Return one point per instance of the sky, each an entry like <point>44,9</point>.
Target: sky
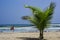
<point>11,11</point>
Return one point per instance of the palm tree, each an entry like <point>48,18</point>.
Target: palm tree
<point>41,18</point>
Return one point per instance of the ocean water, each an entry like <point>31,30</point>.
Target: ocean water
<point>27,28</point>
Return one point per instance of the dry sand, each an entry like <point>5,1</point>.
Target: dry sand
<point>28,36</point>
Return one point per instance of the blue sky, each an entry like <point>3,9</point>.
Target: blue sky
<point>11,11</point>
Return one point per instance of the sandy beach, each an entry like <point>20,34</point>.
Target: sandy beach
<point>29,36</point>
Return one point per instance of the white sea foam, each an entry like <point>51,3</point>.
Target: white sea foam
<point>28,29</point>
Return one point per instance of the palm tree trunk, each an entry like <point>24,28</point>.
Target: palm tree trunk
<point>41,35</point>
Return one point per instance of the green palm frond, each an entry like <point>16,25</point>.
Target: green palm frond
<point>49,11</point>
<point>41,18</point>
<point>33,8</point>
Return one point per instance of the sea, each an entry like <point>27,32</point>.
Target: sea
<point>28,28</point>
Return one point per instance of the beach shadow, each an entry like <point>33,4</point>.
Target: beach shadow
<point>28,38</point>
<point>58,37</point>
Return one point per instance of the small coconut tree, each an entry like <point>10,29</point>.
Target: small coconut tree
<point>40,18</point>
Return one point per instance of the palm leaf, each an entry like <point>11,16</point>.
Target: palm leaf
<point>41,18</point>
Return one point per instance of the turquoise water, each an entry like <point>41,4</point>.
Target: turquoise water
<point>16,25</point>
<point>27,28</point>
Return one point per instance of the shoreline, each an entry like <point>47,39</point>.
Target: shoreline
<point>27,29</point>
